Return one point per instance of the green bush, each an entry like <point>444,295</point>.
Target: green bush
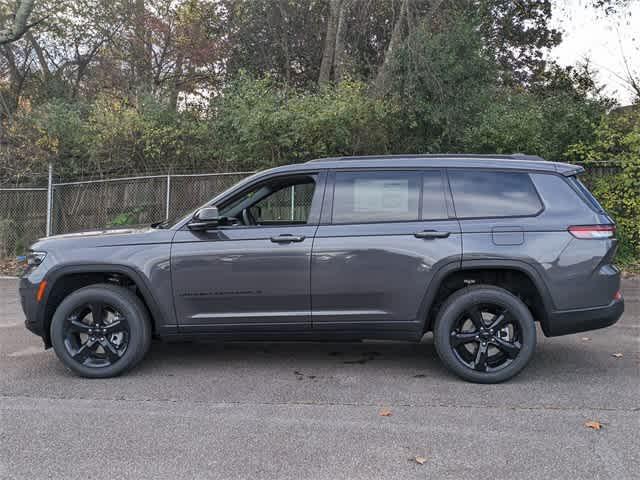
<point>442,79</point>
<point>619,195</point>
<point>124,219</point>
<point>260,123</point>
<point>617,140</point>
<point>536,124</point>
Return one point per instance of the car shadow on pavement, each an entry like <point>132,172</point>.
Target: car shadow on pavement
<point>570,355</point>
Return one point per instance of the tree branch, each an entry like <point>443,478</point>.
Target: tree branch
<point>19,26</point>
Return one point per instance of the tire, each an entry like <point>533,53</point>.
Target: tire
<point>118,303</point>
<point>469,350</point>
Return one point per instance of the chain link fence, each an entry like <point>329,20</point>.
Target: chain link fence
<point>187,192</point>
<point>23,218</point>
<point>112,203</point>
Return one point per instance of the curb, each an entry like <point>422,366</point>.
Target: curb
<point>7,277</point>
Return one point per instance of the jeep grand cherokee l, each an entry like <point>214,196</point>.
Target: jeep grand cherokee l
<point>475,249</point>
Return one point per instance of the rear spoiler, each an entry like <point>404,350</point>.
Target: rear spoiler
<point>568,169</point>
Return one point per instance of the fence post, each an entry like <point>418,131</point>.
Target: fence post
<point>168,196</point>
<point>49,199</point>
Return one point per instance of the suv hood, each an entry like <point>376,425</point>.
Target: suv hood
<point>105,238</point>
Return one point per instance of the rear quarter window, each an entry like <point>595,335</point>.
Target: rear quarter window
<point>586,194</point>
<point>478,193</point>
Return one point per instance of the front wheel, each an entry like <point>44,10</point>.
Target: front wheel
<point>484,334</point>
<point>100,331</point>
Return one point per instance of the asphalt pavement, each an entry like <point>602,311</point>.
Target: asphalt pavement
<point>312,411</point>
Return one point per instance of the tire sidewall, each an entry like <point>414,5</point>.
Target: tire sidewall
<point>120,299</point>
<point>455,306</point>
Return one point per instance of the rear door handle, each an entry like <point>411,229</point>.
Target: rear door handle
<point>426,234</point>
<point>286,238</point>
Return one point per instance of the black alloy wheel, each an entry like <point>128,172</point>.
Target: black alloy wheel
<point>101,330</point>
<point>484,334</point>
<point>486,338</point>
<point>96,334</point>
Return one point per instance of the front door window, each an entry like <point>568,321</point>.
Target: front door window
<point>280,202</point>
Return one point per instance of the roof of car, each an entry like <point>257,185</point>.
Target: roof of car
<point>514,161</point>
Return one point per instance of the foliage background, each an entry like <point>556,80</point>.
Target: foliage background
<point>105,89</point>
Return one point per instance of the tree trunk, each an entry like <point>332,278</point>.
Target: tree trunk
<point>46,73</point>
<point>16,81</point>
<point>175,88</point>
<point>284,40</point>
<point>9,102</point>
<point>141,59</point>
<point>338,55</point>
<point>397,37</point>
<point>404,26</point>
<point>329,42</point>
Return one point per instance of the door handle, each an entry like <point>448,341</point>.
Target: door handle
<point>286,238</point>
<point>427,234</point>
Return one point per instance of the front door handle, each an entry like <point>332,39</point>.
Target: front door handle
<point>286,238</point>
<point>426,234</point>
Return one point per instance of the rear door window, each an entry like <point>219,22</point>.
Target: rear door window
<point>384,196</point>
<point>481,193</point>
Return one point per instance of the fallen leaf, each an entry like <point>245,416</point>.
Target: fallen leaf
<point>585,339</point>
<point>593,424</point>
<point>420,460</point>
<point>385,412</point>
<point>617,355</point>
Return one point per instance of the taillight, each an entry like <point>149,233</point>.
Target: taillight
<point>593,232</point>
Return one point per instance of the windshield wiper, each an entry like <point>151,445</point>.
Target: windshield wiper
<point>160,225</point>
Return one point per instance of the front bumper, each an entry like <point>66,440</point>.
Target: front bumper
<point>573,321</point>
<point>32,309</point>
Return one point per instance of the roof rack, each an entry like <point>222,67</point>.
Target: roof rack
<point>513,156</point>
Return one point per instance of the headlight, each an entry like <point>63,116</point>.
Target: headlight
<point>35,258</point>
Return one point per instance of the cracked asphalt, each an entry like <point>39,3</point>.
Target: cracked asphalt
<point>311,410</point>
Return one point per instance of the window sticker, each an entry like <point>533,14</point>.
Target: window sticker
<point>381,195</point>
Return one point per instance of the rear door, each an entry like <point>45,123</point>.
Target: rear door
<point>383,235</point>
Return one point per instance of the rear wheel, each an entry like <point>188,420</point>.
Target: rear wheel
<point>100,331</point>
<point>484,334</point>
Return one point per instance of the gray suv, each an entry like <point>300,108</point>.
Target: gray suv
<point>475,249</point>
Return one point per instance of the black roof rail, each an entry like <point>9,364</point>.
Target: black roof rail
<point>514,156</point>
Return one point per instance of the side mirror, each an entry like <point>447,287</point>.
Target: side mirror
<point>206,218</point>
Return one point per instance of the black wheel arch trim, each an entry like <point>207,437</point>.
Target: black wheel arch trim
<point>498,264</point>
<point>158,317</point>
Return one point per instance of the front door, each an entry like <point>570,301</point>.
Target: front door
<point>254,271</point>
<point>383,236</point>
